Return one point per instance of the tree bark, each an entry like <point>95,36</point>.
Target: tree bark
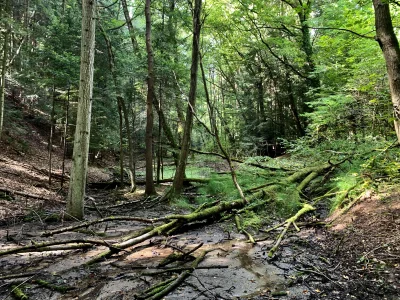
<point>52,128</point>
<point>129,25</point>
<point>149,190</point>
<point>123,113</point>
<point>64,142</point>
<point>4,68</point>
<point>177,186</point>
<point>389,44</point>
<point>76,193</point>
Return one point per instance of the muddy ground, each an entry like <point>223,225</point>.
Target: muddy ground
<point>358,257</point>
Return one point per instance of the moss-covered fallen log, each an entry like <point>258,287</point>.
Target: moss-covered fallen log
<point>175,221</point>
<point>159,230</point>
<point>173,284</point>
<point>58,288</point>
<point>18,293</point>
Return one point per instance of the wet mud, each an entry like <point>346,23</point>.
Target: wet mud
<point>311,264</point>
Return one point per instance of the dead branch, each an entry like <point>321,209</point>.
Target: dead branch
<point>166,289</point>
<point>114,184</point>
<point>180,269</point>
<point>89,223</point>
<point>33,196</point>
<point>178,257</point>
<point>241,161</point>
<point>242,230</point>
<point>16,276</point>
<point>291,221</point>
<point>36,247</point>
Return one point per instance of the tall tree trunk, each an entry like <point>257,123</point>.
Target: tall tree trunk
<point>166,128</point>
<point>303,10</point>
<point>177,186</point>
<point>4,67</point>
<point>149,190</point>
<point>76,193</point>
<point>389,44</point>
<point>123,112</point>
<point>52,128</point>
<point>159,146</point>
<point>214,129</point>
<point>121,146</point>
<point>129,25</point>
<point>65,144</point>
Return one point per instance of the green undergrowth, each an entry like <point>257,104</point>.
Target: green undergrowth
<point>367,163</point>
<point>360,165</point>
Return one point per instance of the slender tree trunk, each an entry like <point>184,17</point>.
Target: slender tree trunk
<point>150,189</point>
<point>65,145</point>
<point>52,127</point>
<point>4,68</point>
<point>76,193</point>
<point>123,112</point>
<point>214,129</point>
<point>121,146</point>
<point>177,186</point>
<point>389,44</point>
<point>159,146</point>
<point>293,106</point>
<point>166,128</point>
<point>129,25</point>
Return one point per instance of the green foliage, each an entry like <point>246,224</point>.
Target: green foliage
<point>369,162</point>
<point>333,116</point>
<point>253,220</point>
<point>287,201</point>
<point>182,203</point>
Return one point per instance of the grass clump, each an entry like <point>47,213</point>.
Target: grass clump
<point>183,203</point>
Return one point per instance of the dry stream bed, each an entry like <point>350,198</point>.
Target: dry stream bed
<point>309,265</point>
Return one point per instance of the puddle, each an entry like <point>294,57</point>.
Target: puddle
<point>246,273</point>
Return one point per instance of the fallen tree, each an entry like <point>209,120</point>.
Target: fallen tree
<point>256,198</point>
<point>173,222</point>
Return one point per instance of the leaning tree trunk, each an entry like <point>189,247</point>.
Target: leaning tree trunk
<point>129,25</point>
<point>177,186</point>
<point>77,183</point>
<point>150,189</point>
<point>389,44</point>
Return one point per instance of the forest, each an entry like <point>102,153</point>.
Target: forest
<point>190,149</point>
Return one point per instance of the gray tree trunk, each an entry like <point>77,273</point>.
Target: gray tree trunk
<point>150,189</point>
<point>76,193</point>
<point>177,186</point>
